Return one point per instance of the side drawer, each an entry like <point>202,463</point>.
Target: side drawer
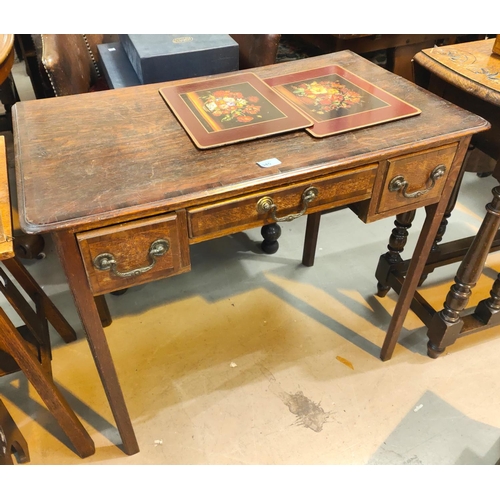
<point>137,252</point>
<point>241,213</point>
<point>416,179</point>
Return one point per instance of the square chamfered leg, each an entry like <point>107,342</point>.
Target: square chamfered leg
<point>70,258</point>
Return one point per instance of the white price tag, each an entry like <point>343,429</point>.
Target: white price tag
<point>272,162</point>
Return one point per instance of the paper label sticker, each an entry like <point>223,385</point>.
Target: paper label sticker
<point>272,162</point>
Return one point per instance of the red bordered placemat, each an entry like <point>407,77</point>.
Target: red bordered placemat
<point>240,107</point>
<point>338,100</point>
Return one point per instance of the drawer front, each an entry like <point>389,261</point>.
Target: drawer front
<point>417,179</point>
<point>242,213</point>
<point>136,252</point>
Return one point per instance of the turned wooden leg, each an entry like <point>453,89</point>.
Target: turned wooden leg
<point>446,325</point>
<point>397,242</point>
<point>487,310</point>
<point>69,254</point>
<point>270,233</point>
<point>496,171</point>
<point>29,246</point>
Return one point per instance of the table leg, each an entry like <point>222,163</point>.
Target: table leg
<point>410,284</point>
<point>487,310</point>
<point>270,233</point>
<point>103,310</point>
<point>444,223</point>
<point>433,220</point>
<point>311,239</point>
<point>397,242</point>
<point>446,325</point>
<point>69,255</point>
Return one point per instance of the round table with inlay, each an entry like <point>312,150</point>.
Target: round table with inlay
<point>468,75</point>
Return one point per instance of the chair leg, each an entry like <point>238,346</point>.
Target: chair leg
<point>12,342</point>
<point>29,246</point>
<point>33,289</point>
<point>11,439</point>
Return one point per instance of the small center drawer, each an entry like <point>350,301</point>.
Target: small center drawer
<point>242,213</point>
<point>137,252</point>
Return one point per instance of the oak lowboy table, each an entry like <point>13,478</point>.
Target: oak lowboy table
<point>120,186</point>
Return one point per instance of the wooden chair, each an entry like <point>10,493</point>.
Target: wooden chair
<point>27,348</point>
<point>71,62</point>
<point>257,50</point>
<point>11,440</point>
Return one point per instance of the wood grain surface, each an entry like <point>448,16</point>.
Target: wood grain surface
<point>84,159</point>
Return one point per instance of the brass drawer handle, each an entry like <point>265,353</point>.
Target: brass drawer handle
<point>106,261</point>
<point>266,204</point>
<point>399,183</point>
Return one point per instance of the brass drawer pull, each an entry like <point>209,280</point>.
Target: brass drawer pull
<point>399,183</point>
<point>266,204</point>
<point>106,261</point>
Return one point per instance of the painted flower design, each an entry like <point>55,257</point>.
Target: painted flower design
<point>228,105</point>
<point>325,96</point>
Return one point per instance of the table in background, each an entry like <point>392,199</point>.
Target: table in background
<point>468,75</point>
<point>114,172</point>
<point>399,48</point>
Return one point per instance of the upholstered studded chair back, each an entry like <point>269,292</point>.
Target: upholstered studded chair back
<point>257,50</point>
<point>70,62</point>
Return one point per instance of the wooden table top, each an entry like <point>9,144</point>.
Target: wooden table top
<point>471,66</point>
<point>6,44</point>
<point>88,158</point>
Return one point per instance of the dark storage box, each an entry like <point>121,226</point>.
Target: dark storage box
<point>116,66</point>
<point>161,58</point>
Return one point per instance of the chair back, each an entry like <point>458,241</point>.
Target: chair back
<point>70,62</point>
<point>257,50</point>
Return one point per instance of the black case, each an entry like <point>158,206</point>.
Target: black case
<point>161,58</point>
<point>116,67</point>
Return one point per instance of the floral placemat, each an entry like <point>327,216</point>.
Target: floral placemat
<point>338,100</point>
<point>219,111</point>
